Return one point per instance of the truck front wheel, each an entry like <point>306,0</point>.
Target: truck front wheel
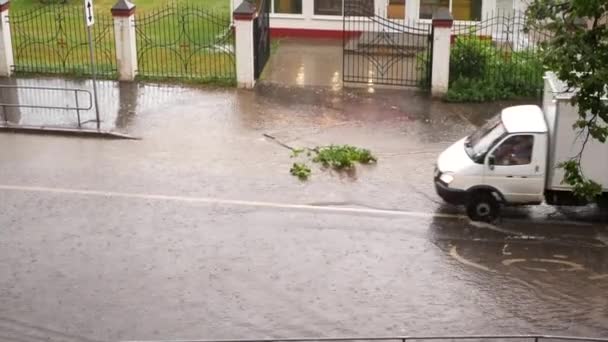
<point>482,206</point>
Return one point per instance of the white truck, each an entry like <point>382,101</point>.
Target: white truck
<point>513,159</point>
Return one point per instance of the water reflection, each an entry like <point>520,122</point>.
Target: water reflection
<point>544,274</point>
<point>108,95</point>
<point>127,104</point>
<point>119,102</point>
<point>11,115</point>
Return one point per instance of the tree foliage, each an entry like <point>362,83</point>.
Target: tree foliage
<point>578,54</point>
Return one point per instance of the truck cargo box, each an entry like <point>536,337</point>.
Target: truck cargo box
<point>565,142</point>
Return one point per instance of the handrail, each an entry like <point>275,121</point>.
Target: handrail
<point>535,338</point>
<point>76,107</point>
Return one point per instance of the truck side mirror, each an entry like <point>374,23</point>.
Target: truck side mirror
<point>491,162</point>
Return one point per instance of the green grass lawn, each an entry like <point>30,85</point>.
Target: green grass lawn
<point>189,44</point>
<point>102,6</point>
<point>54,41</point>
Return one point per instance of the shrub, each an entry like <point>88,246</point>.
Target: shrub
<point>479,72</point>
<point>476,90</point>
<point>422,65</point>
<point>472,57</point>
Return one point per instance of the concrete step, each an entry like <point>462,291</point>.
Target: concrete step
<point>387,43</point>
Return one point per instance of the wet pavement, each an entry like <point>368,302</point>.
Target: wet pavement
<point>300,62</point>
<point>64,94</point>
<point>199,231</point>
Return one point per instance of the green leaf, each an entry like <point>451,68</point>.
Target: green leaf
<point>578,55</point>
<point>300,170</point>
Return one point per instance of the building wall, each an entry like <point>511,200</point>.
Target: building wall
<point>504,5</point>
<point>309,24</point>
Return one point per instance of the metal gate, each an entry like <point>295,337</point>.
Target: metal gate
<point>52,39</point>
<point>261,34</point>
<point>378,50</point>
<point>186,42</point>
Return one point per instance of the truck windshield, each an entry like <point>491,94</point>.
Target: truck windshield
<point>478,143</point>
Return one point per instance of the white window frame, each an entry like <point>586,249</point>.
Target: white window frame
<point>329,16</point>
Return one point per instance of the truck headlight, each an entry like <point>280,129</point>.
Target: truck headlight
<point>446,178</point>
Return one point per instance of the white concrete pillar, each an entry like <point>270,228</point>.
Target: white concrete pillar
<point>442,37</point>
<point>412,9</point>
<point>520,5</point>
<point>235,4</point>
<point>308,9</point>
<point>488,9</point>
<point>381,7</point>
<point>6,44</point>
<point>125,39</point>
<point>245,59</point>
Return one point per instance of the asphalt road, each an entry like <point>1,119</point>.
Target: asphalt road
<point>199,231</point>
<point>107,267</point>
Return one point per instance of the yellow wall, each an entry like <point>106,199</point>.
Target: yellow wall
<point>284,6</point>
<point>396,11</point>
<point>461,9</point>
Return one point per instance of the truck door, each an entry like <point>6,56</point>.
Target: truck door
<point>516,168</point>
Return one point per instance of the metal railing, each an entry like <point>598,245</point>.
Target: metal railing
<point>77,106</point>
<point>529,338</point>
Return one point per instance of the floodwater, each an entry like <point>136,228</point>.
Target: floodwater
<point>195,231</point>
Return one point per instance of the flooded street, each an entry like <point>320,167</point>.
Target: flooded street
<point>198,231</point>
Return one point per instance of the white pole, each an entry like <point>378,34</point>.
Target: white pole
<point>94,73</point>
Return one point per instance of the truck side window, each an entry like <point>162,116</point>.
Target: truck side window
<point>516,150</point>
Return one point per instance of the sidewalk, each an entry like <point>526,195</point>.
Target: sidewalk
<point>210,142</point>
<point>305,62</point>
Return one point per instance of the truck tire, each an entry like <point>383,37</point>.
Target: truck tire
<point>602,201</point>
<point>483,207</point>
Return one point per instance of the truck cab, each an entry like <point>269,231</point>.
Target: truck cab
<point>503,163</point>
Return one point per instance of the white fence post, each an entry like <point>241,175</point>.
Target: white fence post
<point>125,39</point>
<point>233,5</point>
<point>442,38</point>
<point>6,45</point>
<point>519,5</point>
<point>243,24</point>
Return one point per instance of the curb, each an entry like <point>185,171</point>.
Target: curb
<point>84,133</point>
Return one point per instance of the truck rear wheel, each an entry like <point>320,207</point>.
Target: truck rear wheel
<point>602,201</point>
<point>482,206</point>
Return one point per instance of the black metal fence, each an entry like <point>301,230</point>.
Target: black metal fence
<point>379,50</point>
<point>497,56</point>
<point>53,40</point>
<point>186,42</point>
<point>261,36</point>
